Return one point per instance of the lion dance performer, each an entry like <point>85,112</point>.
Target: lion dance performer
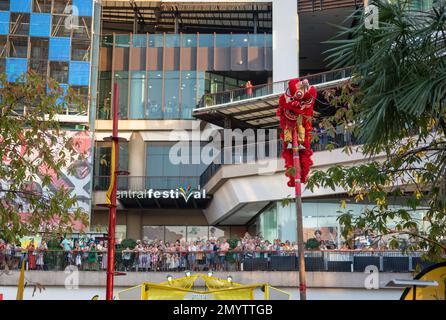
<point>296,113</point>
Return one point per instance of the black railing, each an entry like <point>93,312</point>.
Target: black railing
<point>240,154</point>
<point>213,99</point>
<point>148,260</point>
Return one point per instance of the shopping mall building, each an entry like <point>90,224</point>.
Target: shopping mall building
<point>181,68</point>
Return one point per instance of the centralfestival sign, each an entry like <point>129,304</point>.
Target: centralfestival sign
<point>185,193</point>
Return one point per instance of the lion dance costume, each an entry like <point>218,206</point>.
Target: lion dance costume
<point>296,113</point>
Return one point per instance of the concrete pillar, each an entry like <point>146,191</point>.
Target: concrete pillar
<point>137,156</point>
<point>285,40</point>
<point>134,227</point>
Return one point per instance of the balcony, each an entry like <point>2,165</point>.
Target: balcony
<point>272,150</point>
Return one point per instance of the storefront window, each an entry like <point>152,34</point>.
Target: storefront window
<point>174,233</point>
<point>152,233</point>
<point>218,233</point>
<point>197,233</point>
<point>268,224</point>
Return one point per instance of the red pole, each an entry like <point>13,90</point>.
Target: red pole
<point>300,232</point>
<point>112,210</point>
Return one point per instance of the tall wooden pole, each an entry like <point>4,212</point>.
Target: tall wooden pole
<point>112,209</point>
<point>300,231</point>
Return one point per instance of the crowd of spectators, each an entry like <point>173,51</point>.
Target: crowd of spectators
<point>157,255</point>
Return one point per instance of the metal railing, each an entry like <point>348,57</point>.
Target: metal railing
<point>340,140</point>
<point>261,260</point>
<point>140,183</point>
<point>213,99</point>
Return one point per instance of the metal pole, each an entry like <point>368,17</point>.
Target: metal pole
<point>300,231</point>
<point>112,209</point>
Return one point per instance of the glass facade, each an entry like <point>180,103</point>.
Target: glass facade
<point>51,37</point>
<point>279,222</point>
<point>192,233</point>
<point>164,76</point>
<point>164,173</point>
<point>102,161</point>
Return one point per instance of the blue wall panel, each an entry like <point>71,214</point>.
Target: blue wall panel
<point>59,49</point>
<point>85,7</point>
<point>79,73</point>
<point>15,67</point>
<point>40,25</point>
<point>4,22</point>
<point>20,5</point>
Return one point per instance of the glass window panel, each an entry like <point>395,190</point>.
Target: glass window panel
<point>154,165</point>
<point>170,169</point>
<point>172,40</point>
<point>122,41</point>
<point>139,41</point>
<point>82,30</point>
<point>188,93</point>
<point>59,71</point>
<point>42,6</point>
<point>223,40</point>
<point>107,41</point>
<point>61,6</point>
<point>39,66</point>
<point>58,27</point>
<point>156,40</point>
<point>257,40</point>
<point>155,95</point>
<point>18,47</point>
<point>159,150</point>
<point>173,233</point>
<point>269,40</point>
<point>206,40</point>
<point>197,233</point>
<point>19,24</point>
<point>80,50</point>
<point>238,232</point>
<point>268,223</point>
<point>5,5</point>
<point>82,93</point>
<point>201,85</point>
<point>152,233</point>
<point>171,95</point>
<point>189,40</point>
<point>239,40</point>
<point>104,94</point>
<point>137,95</point>
<point>219,233</point>
<point>122,79</point>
